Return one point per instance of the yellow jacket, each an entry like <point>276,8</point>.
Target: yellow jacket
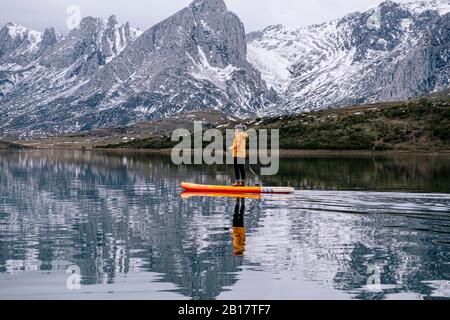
<point>240,145</point>
<point>238,241</point>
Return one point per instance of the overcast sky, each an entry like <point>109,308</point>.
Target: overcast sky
<point>256,14</point>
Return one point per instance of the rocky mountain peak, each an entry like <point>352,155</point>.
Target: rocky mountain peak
<point>91,24</point>
<point>14,30</point>
<point>112,21</point>
<point>50,37</point>
<point>107,74</point>
<point>208,5</point>
<point>440,7</point>
<point>91,45</point>
<point>389,4</point>
<point>391,11</point>
<point>220,48</point>
<point>391,52</point>
<point>16,40</point>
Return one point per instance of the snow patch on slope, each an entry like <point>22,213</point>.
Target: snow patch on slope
<point>136,32</point>
<point>418,7</point>
<point>217,76</point>
<point>277,49</point>
<point>318,66</point>
<point>273,67</point>
<point>21,33</point>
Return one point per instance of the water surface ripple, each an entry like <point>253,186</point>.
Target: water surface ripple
<point>357,228</point>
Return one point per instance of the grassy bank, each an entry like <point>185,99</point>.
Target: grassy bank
<point>422,125</point>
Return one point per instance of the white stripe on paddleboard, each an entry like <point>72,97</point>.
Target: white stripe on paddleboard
<point>277,190</point>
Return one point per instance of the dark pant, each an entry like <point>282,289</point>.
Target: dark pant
<point>239,168</point>
<point>239,211</point>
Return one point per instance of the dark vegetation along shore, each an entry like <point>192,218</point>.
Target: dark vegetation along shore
<point>421,125</point>
<point>8,145</point>
<point>416,126</point>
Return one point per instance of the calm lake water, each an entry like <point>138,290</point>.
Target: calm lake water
<point>357,228</point>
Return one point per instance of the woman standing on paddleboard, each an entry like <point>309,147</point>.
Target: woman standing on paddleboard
<point>239,149</point>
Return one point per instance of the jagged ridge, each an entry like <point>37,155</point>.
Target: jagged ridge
<point>393,52</point>
<point>194,60</point>
<point>104,74</point>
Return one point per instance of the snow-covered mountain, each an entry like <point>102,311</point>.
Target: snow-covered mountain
<point>391,52</point>
<point>105,74</point>
<point>17,41</point>
<point>38,73</point>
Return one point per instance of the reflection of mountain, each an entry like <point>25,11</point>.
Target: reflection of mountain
<point>398,272</point>
<point>320,237</point>
<point>115,214</point>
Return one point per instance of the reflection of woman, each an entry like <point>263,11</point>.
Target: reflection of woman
<point>238,234</point>
<point>239,149</point>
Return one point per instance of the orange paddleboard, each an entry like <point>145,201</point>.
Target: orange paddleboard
<point>188,194</point>
<point>192,187</point>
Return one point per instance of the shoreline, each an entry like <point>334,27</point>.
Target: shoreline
<point>297,153</point>
<point>285,153</point>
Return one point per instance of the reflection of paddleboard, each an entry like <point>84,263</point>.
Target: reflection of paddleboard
<point>187,195</point>
<point>191,187</point>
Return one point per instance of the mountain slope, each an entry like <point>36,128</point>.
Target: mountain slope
<point>194,60</point>
<point>19,46</point>
<point>393,52</point>
<point>56,66</point>
<point>104,74</point>
<point>17,41</point>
